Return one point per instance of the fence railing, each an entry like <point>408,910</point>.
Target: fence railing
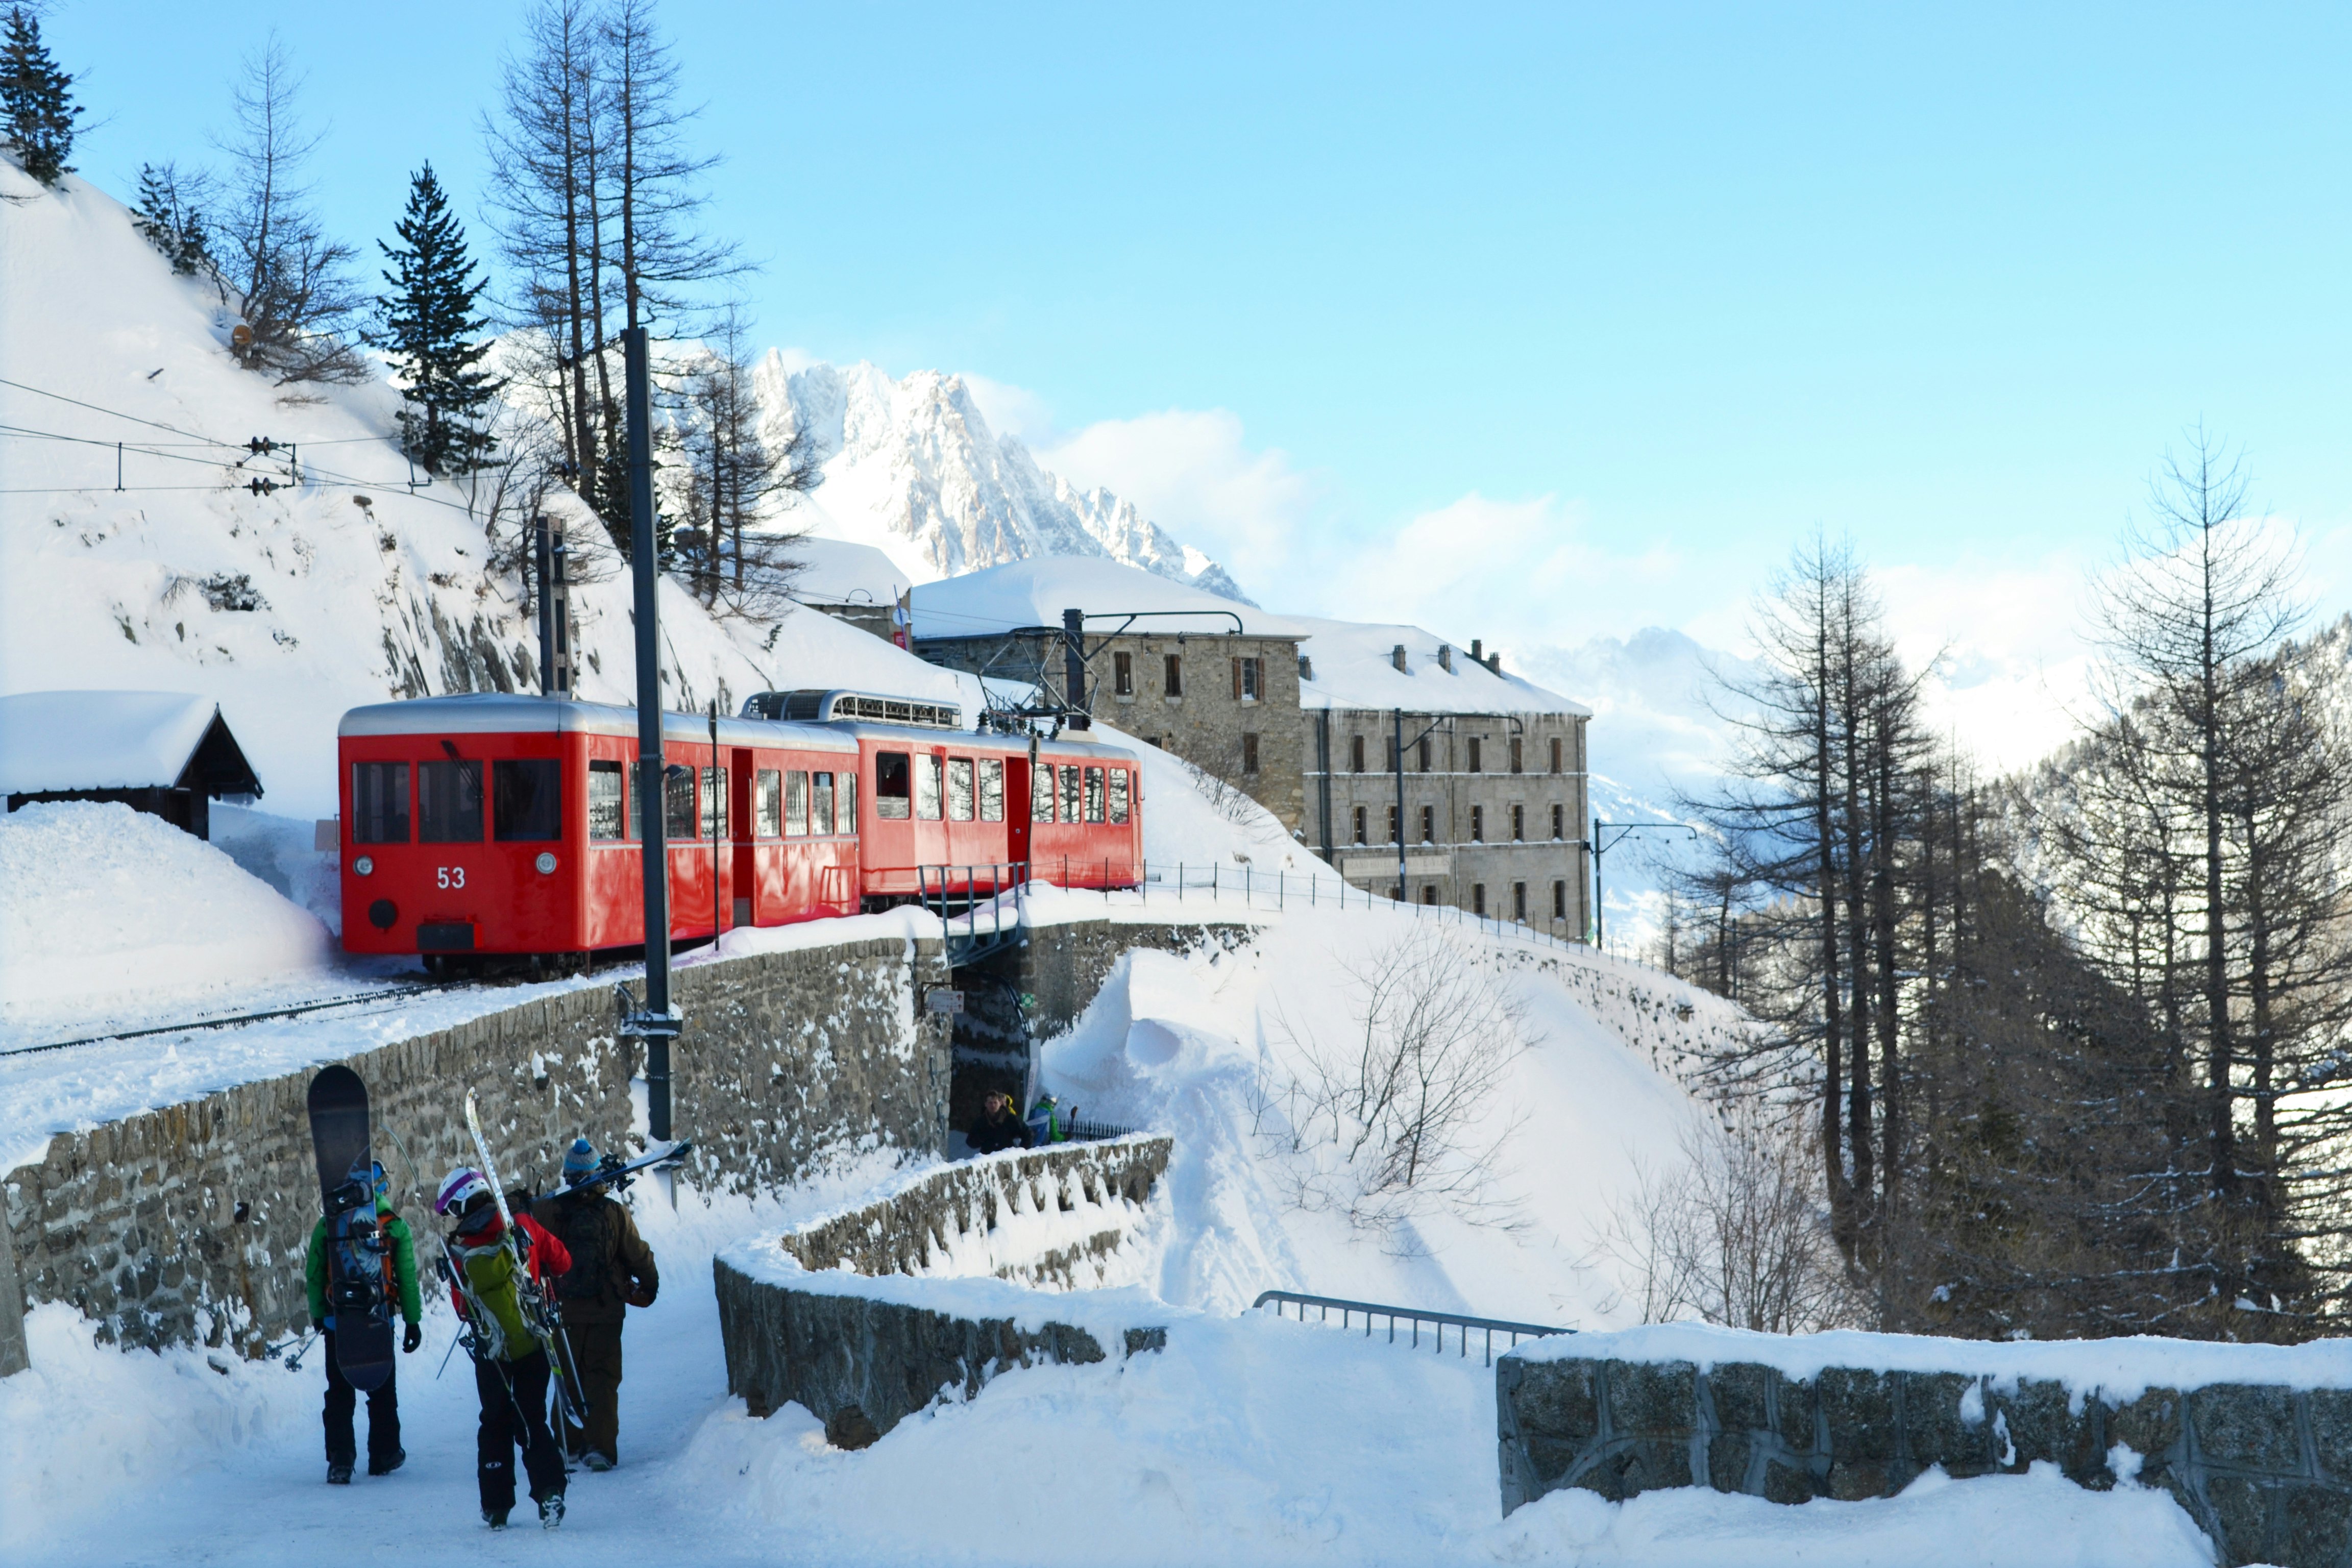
<point>1414,1317</point>
<point>972,904</point>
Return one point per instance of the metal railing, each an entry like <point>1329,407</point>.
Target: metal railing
<point>1439,1322</point>
<point>992,891</point>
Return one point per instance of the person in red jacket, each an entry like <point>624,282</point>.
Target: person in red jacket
<point>510,1360</point>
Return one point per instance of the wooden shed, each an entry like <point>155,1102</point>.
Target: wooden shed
<point>168,753</point>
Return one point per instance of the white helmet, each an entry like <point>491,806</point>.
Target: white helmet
<point>460,1187</point>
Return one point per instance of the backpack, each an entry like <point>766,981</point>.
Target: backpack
<point>492,1291</point>
<point>586,1231</point>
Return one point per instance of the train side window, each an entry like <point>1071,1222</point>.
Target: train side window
<point>1118,794</point>
<point>992,789</point>
<point>714,802</point>
<point>796,792</point>
<point>1093,795</point>
<point>1041,793</point>
<point>927,788</point>
<point>959,789</point>
<point>1070,795</point>
<point>821,803</point>
<point>893,786</point>
<point>526,801</point>
<point>449,802</point>
<point>379,803</point>
<point>768,803</point>
<point>607,818</point>
<point>677,805</point>
<point>844,805</point>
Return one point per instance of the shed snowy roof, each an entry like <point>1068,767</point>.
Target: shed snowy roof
<point>1034,593</point>
<point>60,741</point>
<point>839,572</point>
<point>1354,667</point>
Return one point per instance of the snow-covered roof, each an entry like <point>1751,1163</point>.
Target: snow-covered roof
<point>52,741</point>
<point>1034,593</point>
<point>840,572</point>
<point>1354,667</point>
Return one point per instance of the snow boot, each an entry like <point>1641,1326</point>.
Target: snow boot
<point>385,1467</point>
<point>338,1475</point>
<point>495,1518</point>
<point>596,1461</point>
<point>550,1511</point>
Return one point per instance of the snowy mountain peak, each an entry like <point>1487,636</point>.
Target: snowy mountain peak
<point>912,467</point>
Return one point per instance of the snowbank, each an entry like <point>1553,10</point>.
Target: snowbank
<point>1034,593</point>
<point>98,900</point>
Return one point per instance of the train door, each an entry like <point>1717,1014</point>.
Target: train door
<point>742,857</point>
<point>1016,808</point>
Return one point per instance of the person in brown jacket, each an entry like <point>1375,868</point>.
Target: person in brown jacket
<point>611,1270</point>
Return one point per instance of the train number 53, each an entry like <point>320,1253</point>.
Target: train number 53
<point>450,875</point>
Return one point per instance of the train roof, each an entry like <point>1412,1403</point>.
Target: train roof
<point>523,713</point>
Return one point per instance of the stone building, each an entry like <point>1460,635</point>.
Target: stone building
<point>1214,680</point>
<point>1490,807</point>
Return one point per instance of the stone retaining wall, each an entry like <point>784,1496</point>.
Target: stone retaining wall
<point>191,1222</point>
<point>862,1363</point>
<point>2266,1471</point>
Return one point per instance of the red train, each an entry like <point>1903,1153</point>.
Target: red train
<point>508,825</point>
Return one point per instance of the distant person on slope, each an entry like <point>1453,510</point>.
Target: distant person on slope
<point>996,1127</point>
<point>510,1363</point>
<point>384,1453</point>
<point>611,1270</point>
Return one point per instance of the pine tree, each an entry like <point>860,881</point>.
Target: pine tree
<point>170,215</point>
<point>36,107</point>
<point>430,332</point>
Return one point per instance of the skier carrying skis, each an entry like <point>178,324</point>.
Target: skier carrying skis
<point>384,1453</point>
<point>611,1270</point>
<point>511,1359</point>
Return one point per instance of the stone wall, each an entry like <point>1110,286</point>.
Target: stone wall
<point>862,1362</point>
<point>2266,1471</point>
<point>192,1222</point>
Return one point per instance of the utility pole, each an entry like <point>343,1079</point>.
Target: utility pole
<point>657,1022</point>
<point>1601,846</point>
<point>1073,670</point>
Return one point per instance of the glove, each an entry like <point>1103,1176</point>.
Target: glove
<point>640,1294</point>
<point>409,1340</point>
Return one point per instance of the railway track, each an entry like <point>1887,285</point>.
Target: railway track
<point>232,1020</point>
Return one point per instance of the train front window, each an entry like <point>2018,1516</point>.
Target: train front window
<point>769,803</point>
<point>958,789</point>
<point>1118,794</point>
<point>821,803</point>
<point>1041,793</point>
<point>1093,795</point>
<point>893,786</point>
<point>992,789</point>
<point>608,817</point>
<point>449,802</point>
<point>927,788</point>
<point>379,803</point>
<point>796,805</point>
<point>1069,794</point>
<point>526,801</point>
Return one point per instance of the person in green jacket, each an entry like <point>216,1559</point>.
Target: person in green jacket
<point>384,1453</point>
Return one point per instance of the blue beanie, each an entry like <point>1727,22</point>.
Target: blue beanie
<point>579,1161</point>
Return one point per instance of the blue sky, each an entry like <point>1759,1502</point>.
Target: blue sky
<point>1648,291</point>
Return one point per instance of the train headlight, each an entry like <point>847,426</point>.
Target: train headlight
<point>364,865</point>
<point>546,863</point>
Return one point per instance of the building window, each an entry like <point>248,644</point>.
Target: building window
<point>1477,824</point>
<point>1390,765</point>
<point>1555,759</point>
<point>1558,822</point>
<point>1429,824</point>
<point>1428,892</point>
<point>1478,898</point>
<point>992,789</point>
<point>1393,825</point>
<point>1476,745</point>
<point>1172,682</point>
<point>959,789</point>
<point>1122,674</point>
<point>1514,753</point>
<point>1249,751</point>
<point>796,810</point>
<point>1520,902</point>
<point>380,801</point>
<point>1518,824</point>
<point>1360,829</point>
<point>1424,754</point>
<point>927,792</point>
<point>1356,752</point>
<point>1559,900</point>
<point>1248,677</point>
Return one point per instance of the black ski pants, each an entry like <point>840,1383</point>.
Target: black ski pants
<point>514,1414</point>
<point>384,1415</point>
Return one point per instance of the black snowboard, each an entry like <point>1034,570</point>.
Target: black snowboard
<point>357,1296</point>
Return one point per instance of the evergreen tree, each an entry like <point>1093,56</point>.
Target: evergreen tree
<point>170,215</point>
<point>430,332</point>
<point>36,107</point>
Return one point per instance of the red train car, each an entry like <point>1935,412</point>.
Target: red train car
<point>509,825</point>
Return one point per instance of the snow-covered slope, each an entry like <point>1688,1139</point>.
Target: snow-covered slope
<point>287,608</point>
<point>912,469</point>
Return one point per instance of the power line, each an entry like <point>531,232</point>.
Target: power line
<point>111,413</point>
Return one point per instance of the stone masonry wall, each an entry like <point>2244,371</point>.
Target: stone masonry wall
<point>192,1222</point>
<point>2265,1471</point>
